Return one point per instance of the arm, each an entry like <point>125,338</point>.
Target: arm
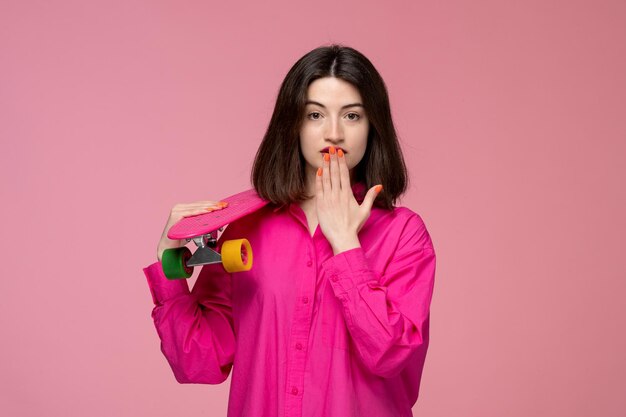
<point>387,314</point>
<point>195,328</point>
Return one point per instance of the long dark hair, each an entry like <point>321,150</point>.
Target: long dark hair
<point>278,171</point>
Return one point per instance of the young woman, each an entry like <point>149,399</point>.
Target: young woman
<point>333,317</point>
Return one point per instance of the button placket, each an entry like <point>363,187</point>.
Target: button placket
<point>299,339</point>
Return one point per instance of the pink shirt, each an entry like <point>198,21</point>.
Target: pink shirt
<point>306,332</point>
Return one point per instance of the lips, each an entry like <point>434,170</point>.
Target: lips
<point>325,150</point>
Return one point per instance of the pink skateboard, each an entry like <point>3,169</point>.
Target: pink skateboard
<point>235,256</point>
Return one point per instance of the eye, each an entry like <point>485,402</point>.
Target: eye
<point>354,118</point>
<point>314,113</point>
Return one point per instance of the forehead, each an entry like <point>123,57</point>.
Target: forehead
<point>332,90</point>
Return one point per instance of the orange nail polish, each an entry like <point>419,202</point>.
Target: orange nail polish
<point>326,157</point>
<point>339,153</point>
<point>319,172</point>
<point>378,188</point>
<point>331,150</point>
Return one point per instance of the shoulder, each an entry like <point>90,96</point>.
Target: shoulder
<point>409,226</point>
<point>248,223</point>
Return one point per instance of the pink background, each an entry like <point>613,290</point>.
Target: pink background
<point>512,117</point>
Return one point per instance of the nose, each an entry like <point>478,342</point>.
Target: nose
<point>334,130</point>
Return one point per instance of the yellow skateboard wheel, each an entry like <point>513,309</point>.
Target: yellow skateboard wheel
<point>236,255</point>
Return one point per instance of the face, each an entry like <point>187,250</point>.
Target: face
<point>334,115</point>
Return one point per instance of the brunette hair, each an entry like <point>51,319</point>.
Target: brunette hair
<point>278,169</point>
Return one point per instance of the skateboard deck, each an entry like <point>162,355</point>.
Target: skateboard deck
<point>239,205</point>
<point>236,254</point>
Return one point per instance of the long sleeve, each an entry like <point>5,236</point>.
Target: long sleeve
<point>195,328</point>
<point>387,314</point>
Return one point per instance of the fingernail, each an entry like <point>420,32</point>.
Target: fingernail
<point>319,172</point>
<point>332,149</point>
<point>378,188</point>
<point>326,157</point>
<point>340,153</point>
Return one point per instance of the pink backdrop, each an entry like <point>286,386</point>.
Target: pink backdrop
<point>512,118</point>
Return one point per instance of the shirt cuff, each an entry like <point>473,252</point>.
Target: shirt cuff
<point>347,270</point>
<point>161,288</point>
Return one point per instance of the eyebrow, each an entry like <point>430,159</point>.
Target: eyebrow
<point>342,107</point>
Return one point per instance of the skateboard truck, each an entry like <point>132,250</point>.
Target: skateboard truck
<point>205,254</point>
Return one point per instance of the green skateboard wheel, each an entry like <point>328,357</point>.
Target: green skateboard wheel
<point>174,262</point>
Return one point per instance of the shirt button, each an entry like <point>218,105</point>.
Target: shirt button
<point>294,391</point>
<point>305,300</point>
<point>309,263</point>
<point>334,278</point>
<point>299,346</point>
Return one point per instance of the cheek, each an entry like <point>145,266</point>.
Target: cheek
<point>357,154</point>
<point>306,133</point>
<point>353,160</point>
<point>307,147</point>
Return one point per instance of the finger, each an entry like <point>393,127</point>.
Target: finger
<point>319,192</point>
<point>197,206</point>
<point>326,175</point>
<point>195,212</point>
<point>368,200</point>
<point>217,205</point>
<point>344,173</point>
<point>335,183</point>
<point>207,203</point>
